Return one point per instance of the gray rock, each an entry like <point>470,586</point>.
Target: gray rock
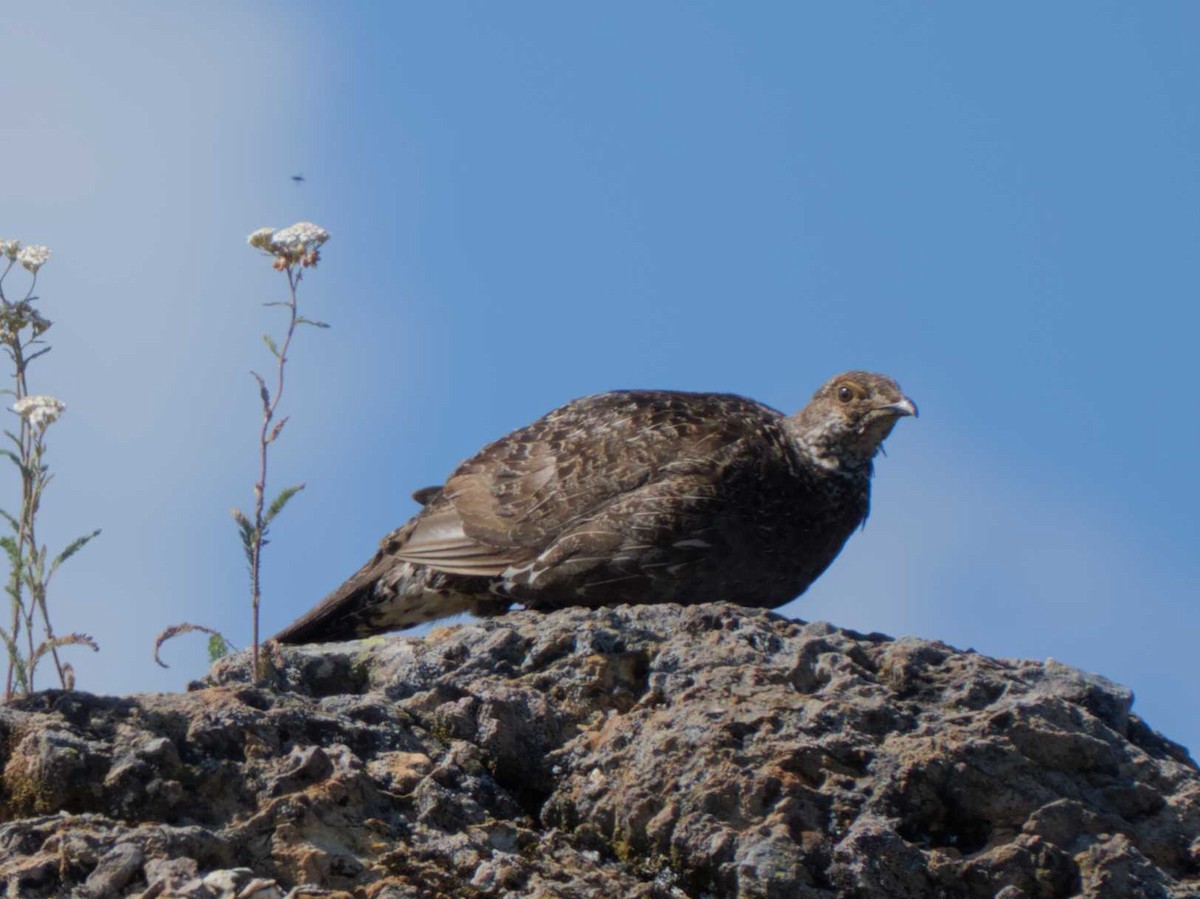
<point>113,871</point>
<point>651,751</point>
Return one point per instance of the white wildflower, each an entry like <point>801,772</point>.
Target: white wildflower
<point>9,247</point>
<point>295,244</point>
<point>33,256</point>
<point>261,238</point>
<point>39,411</point>
<point>301,237</point>
<point>298,243</point>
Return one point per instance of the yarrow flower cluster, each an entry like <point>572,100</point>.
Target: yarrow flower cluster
<point>16,316</point>
<point>23,638</point>
<point>299,243</point>
<point>39,411</point>
<point>33,256</point>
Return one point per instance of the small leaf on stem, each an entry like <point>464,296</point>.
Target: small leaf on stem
<point>262,390</point>
<point>71,548</point>
<point>218,647</point>
<point>245,528</point>
<point>280,501</point>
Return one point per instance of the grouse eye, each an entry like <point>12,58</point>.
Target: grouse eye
<point>845,394</point>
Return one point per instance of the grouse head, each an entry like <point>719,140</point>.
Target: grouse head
<point>848,418</point>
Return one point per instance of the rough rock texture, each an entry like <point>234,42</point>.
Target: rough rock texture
<point>643,752</point>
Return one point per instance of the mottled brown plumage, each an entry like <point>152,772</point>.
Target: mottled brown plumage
<point>630,497</point>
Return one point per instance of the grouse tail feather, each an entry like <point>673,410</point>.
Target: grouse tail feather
<point>373,600</point>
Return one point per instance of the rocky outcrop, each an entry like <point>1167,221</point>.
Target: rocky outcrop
<point>642,752</point>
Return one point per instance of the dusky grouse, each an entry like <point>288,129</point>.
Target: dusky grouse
<point>636,496</point>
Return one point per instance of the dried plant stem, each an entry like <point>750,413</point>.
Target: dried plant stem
<point>34,480</point>
<point>22,390</point>
<point>270,402</point>
<point>15,581</point>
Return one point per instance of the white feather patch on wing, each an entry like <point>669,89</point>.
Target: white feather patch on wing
<point>439,542</point>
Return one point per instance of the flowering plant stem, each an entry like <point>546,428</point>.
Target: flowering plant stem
<point>267,436</point>
<point>27,559</point>
<point>293,249</point>
<point>34,477</point>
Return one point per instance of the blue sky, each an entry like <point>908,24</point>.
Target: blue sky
<point>530,202</point>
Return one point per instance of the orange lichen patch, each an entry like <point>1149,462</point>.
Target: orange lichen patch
<point>441,634</point>
<point>403,770</point>
<point>609,725</point>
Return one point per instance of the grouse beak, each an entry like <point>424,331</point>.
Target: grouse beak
<point>903,406</point>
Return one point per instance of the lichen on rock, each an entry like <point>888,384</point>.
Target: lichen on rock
<point>652,751</point>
